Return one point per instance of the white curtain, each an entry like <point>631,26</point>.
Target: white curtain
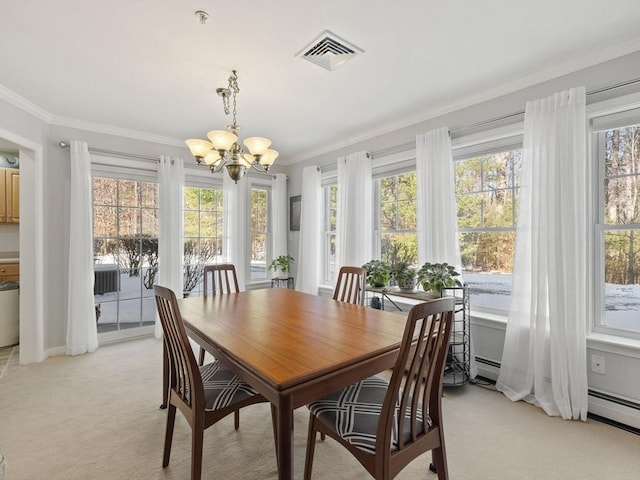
<point>544,359</point>
<point>170,227</point>
<point>82,332</point>
<point>437,211</point>
<point>279,215</point>
<point>354,227</point>
<point>236,244</point>
<point>309,254</point>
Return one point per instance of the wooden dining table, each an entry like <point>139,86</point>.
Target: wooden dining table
<point>293,347</point>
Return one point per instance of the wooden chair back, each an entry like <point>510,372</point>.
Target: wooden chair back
<point>416,383</point>
<point>185,381</point>
<point>350,285</point>
<point>223,279</point>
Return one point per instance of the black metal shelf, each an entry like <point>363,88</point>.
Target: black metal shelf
<point>457,369</point>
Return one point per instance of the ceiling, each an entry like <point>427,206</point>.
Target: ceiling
<point>150,66</point>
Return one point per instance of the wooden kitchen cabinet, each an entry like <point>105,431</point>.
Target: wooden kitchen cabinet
<point>9,272</point>
<point>9,195</point>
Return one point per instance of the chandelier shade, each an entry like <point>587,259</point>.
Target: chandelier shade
<point>223,149</point>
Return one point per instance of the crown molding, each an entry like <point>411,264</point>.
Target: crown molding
<point>117,131</point>
<point>23,104</point>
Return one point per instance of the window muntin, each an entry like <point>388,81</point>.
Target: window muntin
<point>259,233</point>
<point>487,188</point>
<point>618,232</point>
<point>125,237</point>
<point>330,195</point>
<point>396,221</point>
<point>203,234</point>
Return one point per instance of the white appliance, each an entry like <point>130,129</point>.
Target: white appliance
<point>9,313</point>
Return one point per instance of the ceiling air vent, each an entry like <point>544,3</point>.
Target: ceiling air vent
<point>329,51</point>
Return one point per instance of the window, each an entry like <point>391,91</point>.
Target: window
<point>125,238</point>
<point>396,218</point>
<point>487,199</point>
<point>330,194</point>
<point>203,234</point>
<point>259,233</point>
<point>618,231</point>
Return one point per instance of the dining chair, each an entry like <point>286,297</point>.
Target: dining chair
<point>204,394</point>
<point>386,424</point>
<point>223,280</point>
<point>350,285</point>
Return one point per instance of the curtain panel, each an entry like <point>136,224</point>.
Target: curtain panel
<point>544,359</point>
<point>354,226</point>
<point>170,227</point>
<point>82,331</point>
<point>235,221</point>
<point>309,249</point>
<point>437,211</point>
<point>437,220</point>
<point>279,215</point>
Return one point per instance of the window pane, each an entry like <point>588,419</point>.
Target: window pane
<point>487,194</point>
<point>149,195</point>
<point>129,221</point>
<point>128,193</point>
<point>105,221</point>
<point>202,233</point>
<point>259,240</point>
<point>125,251</point>
<point>105,191</point>
<point>191,198</point>
<point>398,247</point>
<point>149,222</point>
<point>622,280</point>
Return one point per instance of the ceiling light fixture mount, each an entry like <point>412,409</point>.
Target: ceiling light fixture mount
<point>202,16</point>
<point>223,150</point>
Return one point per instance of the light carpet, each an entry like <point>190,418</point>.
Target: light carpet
<point>96,416</point>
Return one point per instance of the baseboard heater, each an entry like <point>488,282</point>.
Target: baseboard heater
<point>623,402</point>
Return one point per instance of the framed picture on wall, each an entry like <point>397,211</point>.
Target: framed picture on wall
<point>295,203</point>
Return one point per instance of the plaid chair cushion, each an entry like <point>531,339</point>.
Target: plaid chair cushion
<point>222,387</point>
<point>355,410</point>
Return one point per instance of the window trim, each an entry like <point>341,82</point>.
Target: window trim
<point>603,116</point>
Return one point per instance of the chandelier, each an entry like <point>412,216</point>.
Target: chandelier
<point>223,150</point>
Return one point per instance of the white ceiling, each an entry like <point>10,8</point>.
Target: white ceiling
<point>150,66</point>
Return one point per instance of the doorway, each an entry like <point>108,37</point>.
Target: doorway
<point>31,246</point>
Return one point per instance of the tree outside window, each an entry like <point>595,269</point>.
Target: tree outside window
<point>620,229</point>
<point>397,219</point>
<point>487,199</point>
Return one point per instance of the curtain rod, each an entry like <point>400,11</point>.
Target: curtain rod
<point>65,144</point>
<point>409,145</point>
<point>516,114</point>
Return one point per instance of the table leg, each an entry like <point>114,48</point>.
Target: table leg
<point>285,433</point>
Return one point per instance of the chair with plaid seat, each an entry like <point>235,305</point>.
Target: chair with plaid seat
<point>386,424</point>
<point>204,394</point>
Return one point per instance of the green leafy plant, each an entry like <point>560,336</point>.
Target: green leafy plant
<point>404,274</point>
<point>436,276</point>
<point>282,263</point>
<point>378,273</point>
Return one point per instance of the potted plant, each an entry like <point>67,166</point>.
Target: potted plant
<point>378,273</point>
<point>282,263</point>
<point>405,275</point>
<point>435,276</point>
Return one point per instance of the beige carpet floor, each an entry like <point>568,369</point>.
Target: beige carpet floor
<point>96,417</point>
